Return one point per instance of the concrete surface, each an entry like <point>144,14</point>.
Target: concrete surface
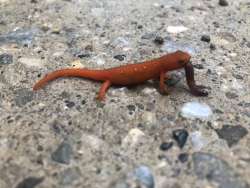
<point>61,136</point>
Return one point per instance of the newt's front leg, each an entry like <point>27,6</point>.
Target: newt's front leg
<point>195,89</point>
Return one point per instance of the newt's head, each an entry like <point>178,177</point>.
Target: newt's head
<point>176,60</point>
<point>182,57</point>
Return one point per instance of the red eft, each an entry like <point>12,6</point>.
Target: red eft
<point>134,74</point>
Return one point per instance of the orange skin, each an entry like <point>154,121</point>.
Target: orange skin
<point>134,74</point>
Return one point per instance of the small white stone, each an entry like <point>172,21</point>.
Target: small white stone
<point>134,137</point>
<point>148,91</point>
<point>77,64</point>
<point>120,42</point>
<point>58,54</point>
<point>233,54</point>
<point>194,110</point>
<point>176,29</point>
<point>97,12</point>
<point>149,118</point>
<point>197,140</point>
<point>156,5</point>
<point>98,60</point>
<point>4,1</point>
<point>31,62</point>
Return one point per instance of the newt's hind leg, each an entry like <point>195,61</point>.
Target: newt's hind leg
<point>103,90</point>
<point>163,87</point>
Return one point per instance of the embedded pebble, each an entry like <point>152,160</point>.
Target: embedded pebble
<point>20,36</point>
<point>120,42</point>
<point>98,61</point>
<point>31,62</point>
<point>183,157</point>
<point>205,38</point>
<point>6,59</point>
<point>133,138</point>
<point>212,46</point>
<point>23,96</point>
<point>30,182</point>
<point>180,136</point>
<point>174,79</point>
<point>171,46</point>
<point>232,134</point>
<point>159,40</point>
<point>149,118</point>
<point>77,64</point>
<point>176,29</point>
<point>214,169</point>
<point>68,176</point>
<point>145,176</point>
<point>194,110</point>
<point>197,140</point>
<point>63,153</point>
<point>166,146</point>
<point>69,104</point>
<point>231,95</point>
<point>223,3</point>
<point>120,57</point>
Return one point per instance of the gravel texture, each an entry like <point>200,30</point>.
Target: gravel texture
<point>60,136</point>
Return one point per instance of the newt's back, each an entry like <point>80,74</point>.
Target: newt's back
<point>134,73</point>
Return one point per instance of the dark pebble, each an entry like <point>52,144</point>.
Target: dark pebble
<point>238,76</point>
<point>20,36</point>
<point>83,55</point>
<point>120,57</point>
<point>63,153</point>
<point>131,107</point>
<point>216,24</point>
<point>6,59</point>
<point>212,46</point>
<point>30,182</point>
<point>23,96</point>
<point>158,40</point>
<point>244,104</point>
<point>83,102</point>
<point>140,106</point>
<point>166,146</point>
<point>139,26</point>
<point>148,36</point>
<point>183,157</point>
<point>232,134</point>
<point>248,44</point>
<point>145,177</point>
<point>174,79</point>
<point>231,95</point>
<point>198,66</point>
<point>213,169</point>
<point>205,38</point>
<point>69,104</point>
<point>180,135</point>
<point>68,176</point>
<point>223,3</point>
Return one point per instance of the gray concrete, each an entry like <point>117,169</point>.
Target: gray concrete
<point>60,136</point>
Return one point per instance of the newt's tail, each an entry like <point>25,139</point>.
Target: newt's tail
<point>98,75</point>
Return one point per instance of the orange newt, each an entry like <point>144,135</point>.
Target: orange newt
<point>134,74</point>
